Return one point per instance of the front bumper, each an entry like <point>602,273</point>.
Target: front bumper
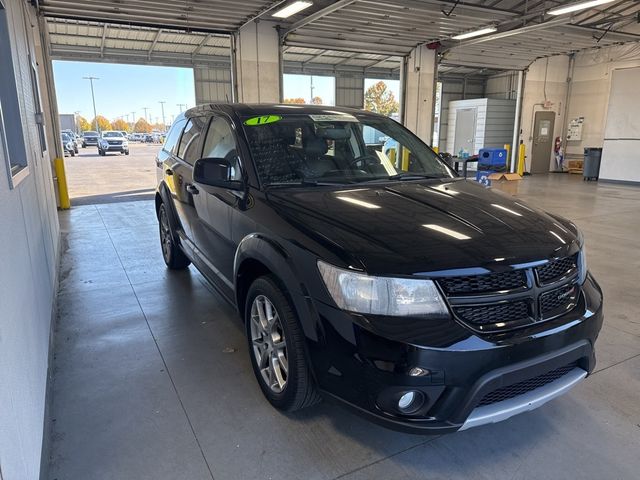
<point>114,148</point>
<point>365,363</point>
<point>88,141</point>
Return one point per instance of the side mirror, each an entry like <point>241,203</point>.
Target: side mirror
<point>216,172</point>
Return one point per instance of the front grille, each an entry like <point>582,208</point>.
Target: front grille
<point>114,142</point>
<point>558,300</point>
<point>556,269</point>
<point>520,388</point>
<point>493,313</point>
<point>492,282</point>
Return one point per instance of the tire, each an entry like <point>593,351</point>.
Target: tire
<point>173,256</point>
<point>72,153</point>
<point>293,388</point>
<point>126,152</point>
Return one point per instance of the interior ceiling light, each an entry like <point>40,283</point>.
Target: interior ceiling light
<point>578,6</point>
<point>292,9</point>
<point>475,33</point>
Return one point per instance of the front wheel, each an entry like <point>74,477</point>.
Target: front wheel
<point>276,347</point>
<point>126,152</point>
<point>173,256</point>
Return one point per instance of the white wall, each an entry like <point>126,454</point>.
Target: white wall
<point>456,89</point>
<point>494,122</point>
<point>546,79</point>
<point>590,90</point>
<point>29,238</point>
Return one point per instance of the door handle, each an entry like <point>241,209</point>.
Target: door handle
<point>192,189</point>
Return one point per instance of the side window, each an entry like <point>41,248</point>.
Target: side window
<point>174,134</point>
<point>189,148</point>
<point>221,143</point>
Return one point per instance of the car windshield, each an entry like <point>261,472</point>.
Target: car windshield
<point>66,137</point>
<point>90,133</point>
<point>111,134</point>
<point>294,149</point>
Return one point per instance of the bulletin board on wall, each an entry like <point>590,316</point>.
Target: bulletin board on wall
<point>621,148</point>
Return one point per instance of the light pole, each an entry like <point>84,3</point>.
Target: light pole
<point>93,99</point>
<point>181,105</point>
<point>164,124</point>
<point>145,113</point>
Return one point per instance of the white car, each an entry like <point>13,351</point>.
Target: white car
<point>113,141</point>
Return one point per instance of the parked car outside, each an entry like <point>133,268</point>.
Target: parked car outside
<point>89,137</point>
<point>113,141</point>
<point>68,144</point>
<point>425,302</point>
<point>74,138</point>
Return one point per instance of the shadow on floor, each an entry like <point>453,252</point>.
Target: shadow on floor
<point>115,197</point>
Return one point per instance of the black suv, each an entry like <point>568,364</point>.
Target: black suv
<point>366,270</point>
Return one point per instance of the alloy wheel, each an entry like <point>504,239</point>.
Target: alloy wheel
<point>268,344</point>
<point>165,235</point>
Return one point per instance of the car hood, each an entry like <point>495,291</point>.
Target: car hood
<point>452,226</point>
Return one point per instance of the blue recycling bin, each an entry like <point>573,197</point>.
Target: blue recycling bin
<point>494,159</point>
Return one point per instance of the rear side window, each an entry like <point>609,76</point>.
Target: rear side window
<point>174,134</point>
<point>189,148</point>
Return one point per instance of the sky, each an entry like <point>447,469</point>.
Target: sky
<point>122,89</point>
<point>299,86</point>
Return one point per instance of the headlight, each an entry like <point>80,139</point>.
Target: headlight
<point>582,265</point>
<point>358,292</point>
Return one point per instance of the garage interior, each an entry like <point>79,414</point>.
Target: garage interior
<point>113,366</point>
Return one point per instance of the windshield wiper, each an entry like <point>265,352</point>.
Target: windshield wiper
<point>305,183</point>
<point>403,176</point>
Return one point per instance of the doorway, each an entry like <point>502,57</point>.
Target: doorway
<point>542,142</point>
<point>465,130</point>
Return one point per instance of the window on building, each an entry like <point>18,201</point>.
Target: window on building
<point>12,136</point>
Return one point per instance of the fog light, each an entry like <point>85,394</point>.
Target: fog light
<point>410,402</point>
<point>406,400</point>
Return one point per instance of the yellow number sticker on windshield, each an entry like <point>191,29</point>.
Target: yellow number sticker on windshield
<point>262,120</point>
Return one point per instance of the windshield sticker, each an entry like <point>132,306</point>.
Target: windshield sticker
<point>262,120</point>
<point>344,117</point>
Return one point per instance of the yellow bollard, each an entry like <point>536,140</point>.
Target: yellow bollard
<point>405,159</point>
<point>435,149</point>
<point>521,155</point>
<point>507,147</point>
<point>63,191</point>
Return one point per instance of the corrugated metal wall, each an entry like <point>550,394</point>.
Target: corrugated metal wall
<point>212,84</point>
<point>456,89</point>
<point>349,91</point>
<point>494,122</point>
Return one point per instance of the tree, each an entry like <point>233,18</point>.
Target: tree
<point>120,124</point>
<point>83,123</point>
<point>101,123</point>
<point>316,100</point>
<point>159,127</point>
<point>142,126</point>
<point>379,99</point>
<point>299,100</point>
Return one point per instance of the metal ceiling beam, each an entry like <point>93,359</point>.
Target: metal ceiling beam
<point>104,36</point>
<point>255,17</point>
<point>515,31</point>
<point>201,44</point>
<point>317,15</point>
<point>153,45</point>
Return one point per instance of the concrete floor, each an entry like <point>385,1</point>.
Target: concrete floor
<point>152,377</point>
<point>91,178</point>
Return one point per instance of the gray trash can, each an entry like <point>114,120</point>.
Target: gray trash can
<point>591,165</point>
